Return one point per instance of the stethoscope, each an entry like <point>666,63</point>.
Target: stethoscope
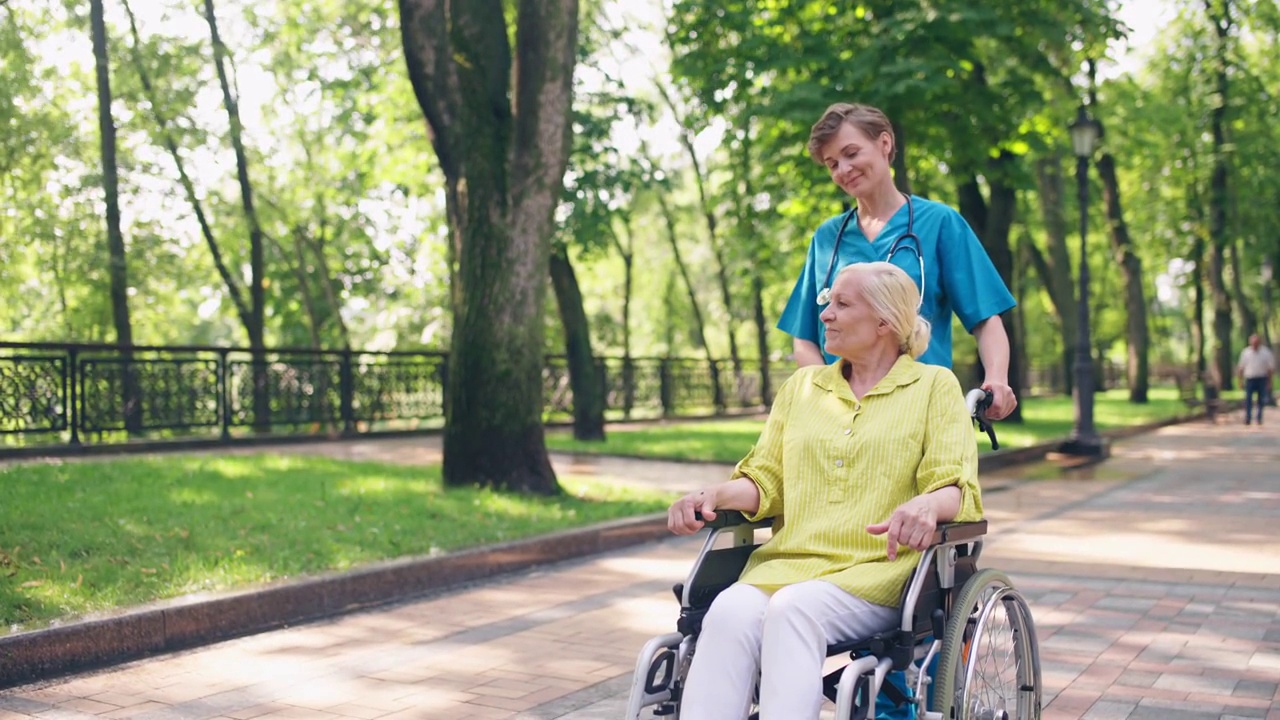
<point>824,296</point>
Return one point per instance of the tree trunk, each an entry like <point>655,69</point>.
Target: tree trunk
<point>1220,16</point>
<point>1021,275</point>
<point>992,222</point>
<point>585,377</point>
<point>1055,274</point>
<point>1136,333</point>
<point>298,267</point>
<point>1198,337</point>
<point>130,399</point>
<point>628,365</point>
<point>233,287</point>
<point>717,247</point>
<point>500,127</point>
<point>901,179</point>
<point>749,222</point>
<point>699,328</point>
<point>1248,318</point>
<point>256,327</point>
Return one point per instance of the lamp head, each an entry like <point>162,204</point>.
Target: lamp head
<point>1084,133</point>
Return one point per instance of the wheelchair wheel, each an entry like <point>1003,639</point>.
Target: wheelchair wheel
<point>989,668</point>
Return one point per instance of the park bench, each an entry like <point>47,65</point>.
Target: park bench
<point>1211,403</point>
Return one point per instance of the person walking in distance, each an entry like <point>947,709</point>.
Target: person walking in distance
<point>1255,368</point>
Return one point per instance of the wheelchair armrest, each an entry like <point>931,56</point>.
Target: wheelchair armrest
<point>733,518</point>
<point>959,532</point>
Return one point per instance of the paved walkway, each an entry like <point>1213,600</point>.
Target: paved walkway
<point>1154,579</point>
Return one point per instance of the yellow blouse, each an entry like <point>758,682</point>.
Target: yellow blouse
<point>834,465</point>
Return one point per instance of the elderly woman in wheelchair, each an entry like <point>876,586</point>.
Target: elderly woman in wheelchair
<point>872,463</point>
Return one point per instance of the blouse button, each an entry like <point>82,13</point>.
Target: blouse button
<point>847,431</point>
<point>839,463</point>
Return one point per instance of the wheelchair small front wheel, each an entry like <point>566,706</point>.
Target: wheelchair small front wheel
<point>989,668</point>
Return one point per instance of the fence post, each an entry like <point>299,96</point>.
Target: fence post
<point>628,386</point>
<point>346,389</point>
<point>666,387</point>
<point>717,390</point>
<point>602,378</point>
<point>224,395</point>
<point>72,379</point>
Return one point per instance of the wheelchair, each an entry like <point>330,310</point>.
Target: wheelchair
<point>966,642</point>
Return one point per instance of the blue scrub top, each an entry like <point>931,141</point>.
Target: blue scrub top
<point>960,275</point>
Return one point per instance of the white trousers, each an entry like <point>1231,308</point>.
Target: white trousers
<point>781,639</point>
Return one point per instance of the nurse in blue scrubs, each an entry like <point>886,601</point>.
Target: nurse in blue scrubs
<point>929,240</point>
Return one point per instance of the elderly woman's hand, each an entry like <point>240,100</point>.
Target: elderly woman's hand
<point>680,516</point>
<point>913,522</point>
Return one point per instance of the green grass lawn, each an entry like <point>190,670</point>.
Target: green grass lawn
<point>1044,420</point>
<point>80,537</point>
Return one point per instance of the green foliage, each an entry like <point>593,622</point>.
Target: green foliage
<point>343,181</point>
<point>353,208</point>
<point>91,536</point>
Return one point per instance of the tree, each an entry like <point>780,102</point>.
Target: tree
<point>701,180</point>
<point>1054,265</point>
<point>501,128</point>
<point>116,260</point>
<point>1220,16</point>
<point>585,375</point>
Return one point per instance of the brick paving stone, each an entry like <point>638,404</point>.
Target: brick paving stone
<point>1137,679</point>
<point>1194,683</point>
<point>1256,689</point>
<point>1144,712</point>
<point>1109,710</point>
<point>356,711</point>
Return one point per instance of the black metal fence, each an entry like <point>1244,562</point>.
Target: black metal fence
<point>82,396</point>
<point>75,395</point>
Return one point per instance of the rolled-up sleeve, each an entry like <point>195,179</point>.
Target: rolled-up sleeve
<point>763,464</point>
<point>950,451</point>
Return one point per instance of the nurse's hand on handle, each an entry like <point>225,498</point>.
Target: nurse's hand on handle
<point>1003,400</point>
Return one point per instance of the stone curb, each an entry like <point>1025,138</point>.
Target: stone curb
<point>196,620</point>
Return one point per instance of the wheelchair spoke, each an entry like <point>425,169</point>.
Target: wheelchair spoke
<point>988,669</point>
<point>993,692</point>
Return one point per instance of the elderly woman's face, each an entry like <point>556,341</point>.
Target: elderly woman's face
<point>852,328</point>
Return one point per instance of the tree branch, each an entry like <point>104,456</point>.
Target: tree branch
<point>429,58</point>
<point>546,43</point>
<point>188,187</point>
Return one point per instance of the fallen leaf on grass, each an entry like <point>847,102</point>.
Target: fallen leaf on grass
<point>32,583</point>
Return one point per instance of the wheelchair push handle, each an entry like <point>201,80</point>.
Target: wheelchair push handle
<point>978,401</point>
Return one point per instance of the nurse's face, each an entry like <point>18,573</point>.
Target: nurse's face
<point>857,162</point>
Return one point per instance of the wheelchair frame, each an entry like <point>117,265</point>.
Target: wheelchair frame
<point>950,610</point>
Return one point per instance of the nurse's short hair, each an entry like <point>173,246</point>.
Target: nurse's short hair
<point>870,120</point>
<point>895,299</point>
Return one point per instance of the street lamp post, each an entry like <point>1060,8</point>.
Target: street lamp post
<point>1084,441</point>
<point>1266,275</point>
